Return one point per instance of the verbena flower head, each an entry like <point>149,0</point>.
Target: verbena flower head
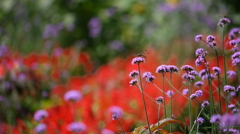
<point>150,78</point>
<point>73,95</point>
<point>185,91</point>
<point>235,111</point>
<point>193,96</point>
<point>216,70</point>
<point>147,74</point>
<point>188,77</point>
<point>116,112</point>
<point>193,73</point>
<point>199,61</point>
<point>107,131</point>
<point>137,60</point>
<point>231,131</point>
<point>199,93</point>
<point>227,120</point>
<point>198,84</point>
<point>133,82</point>
<point>40,128</point>
<point>162,69</point>
<point>172,69</point>
<point>233,42</point>
<point>202,73</point>
<point>233,33</point>
<point>216,118</point>
<point>198,37</point>
<point>212,44</point>
<point>187,68</point>
<point>231,74</point>
<point>159,100</point>
<point>76,127</point>
<point>224,21</point>
<point>238,89</point>
<point>235,58</point>
<point>170,93</point>
<point>231,106</point>
<point>133,74</point>
<point>210,38</point>
<point>40,115</point>
<point>205,104</point>
<point>200,52</point>
<point>228,88</point>
<point>199,120</point>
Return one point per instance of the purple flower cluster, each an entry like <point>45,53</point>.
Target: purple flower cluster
<point>228,88</point>
<point>193,73</point>
<point>133,74</point>
<point>216,118</point>
<point>188,77</point>
<point>231,74</point>
<point>73,95</point>
<point>172,69</point>
<point>133,82</point>
<point>233,33</point>
<point>40,128</point>
<point>200,52</point>
<point>170,93</point>
<point>107,131</point>
<point>210,38</point>
<point>216,70</point>
<point>199,93</point>
<point>185,91</point>
<point>198,84</point>
<point>205,104</point>
<point>162,69</point>
<point>199,120</point>
<point>187,68</point>
<point>159,100</point>
<point>224,21</point>
<point>193,96</point>
<point>238,89</point>
<point>231,106</point>
<point>149,77</point>
<point>199,61</point>
<point>231,131</point>
<point>137,60</point>
<point>76,127</point>
<point>116,112</point>
<point>233,42</point>
<point>95,27</point>
<point>235,58</point>
<point>40,115</point>
<point>198,37</point>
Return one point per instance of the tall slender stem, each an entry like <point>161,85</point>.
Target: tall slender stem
<point>171,93</point>
<point>219,90</point>
<point>190,104</point>
<point>120,125</point>
<point>143,99</point>
<point>159,106</point>
<point>164,97</point>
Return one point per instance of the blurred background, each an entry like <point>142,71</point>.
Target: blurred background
<point>45,42</point>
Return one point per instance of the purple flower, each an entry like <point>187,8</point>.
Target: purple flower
<point>233,33</point>
<point>217,70</point>
<point>116,112</point>
<point>231,74</point>
<point>162,69</point>
<point>238,89</point>
<point>95,27</point>
<point>234,111</point>
<point>159,100</point>
<point>202,73</point>
<point>188,77</point>
<point>76,127</point>
<point>185,91</point>
<point>147,74</point>
<point>212,44</point>
<point>228,88</point>
<point>227,120</point>
<point>199,120</point>
<point>232,131</point>
<point>193,73</point>
<point>198,37</point>
<point>198,84</point>
<point>233,42</point>
<point>107,131</point>
<point>133,74</point>
<point>150,78</point>
<point>116,45</point>
<point>187,68</point>
<point>205,104</point>
<point>216,118</point>
<point>40,128</point>
<point>193,96</point>
<point>199,93</point>
<point>4,50</point>
<point>52,30</point>
<point>231,106</point>
<point>210,38</point>
<point>73,95</point>
<point>200,52</point>
<point>172,68</point>
<point>199,61</point>
<point>40,115</point>
<point>224,21</point>
<point>133,82</point>
<point>137,60</point>
<point>170,93</point>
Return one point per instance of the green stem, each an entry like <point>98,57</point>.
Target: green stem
<point>159,106</point>
<point>120,125</point>
<point>164,96</point>
<point>190,104</point>
<point>171,100</point>
<point>196,118</point>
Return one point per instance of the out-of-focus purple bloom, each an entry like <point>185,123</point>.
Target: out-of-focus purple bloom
<point>185,91</point>
<point>172,68</point>
<point>210,38</point>
<point>147,74</point>
<point>52,30</point>
<point>231,106</point>
<point>199,93</point>
<point>216,70</point>
<point>216,118</point>
<point>205,104</point>
<point>188,77</point>
<point>231,74</point>
<point>227,120</point>
<point>199,120</point>
<point>40,128</point>
<point>193,96</point>
<point>233,33</point>
<point>193,73</point>
<point>199,61</point>
<point>111,11</point>
<point>71,27</point>
<point>116,45</point>
<point>107,131</point>
<point>162,69</point>
<point>137,60</point>
<point>40,115</point>
<point>159,100</point>
<point>133,82</point>
<point>235,58</point>
<point>170,93</point>
<point>187,68</point>
<point>73,95</point>
<point>235,111</point>
<point>200,52</point>
<point>57,52</point>
<point>95,27</point>
<point>233,42</point>
<point>76,127</point>
<point>4,50</point>
<point>198,84</point>
<point>238,89</point>
<point>231,131</point>
<point>116,112</point>
<point>198,37</point>
<point>133,74</point>
<point>228,88</point>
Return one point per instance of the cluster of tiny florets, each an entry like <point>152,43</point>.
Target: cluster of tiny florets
<point>187,68</point>
<point>185,91</point>
<point>198,37</point>
<point>133,74</point>
<point>188,77</point>
<point>137,60</point>
<point>205,104</point>
<point>231,74</point>
<point>133,82</point>
<point>228,88</point>
<point>198,84</point>
<point>210,38</point>
<point>200,52</point>
<point>224,21</point>
<point>216,70</point>
<point>159,100</point>
<point>233,42</point>
<point>235,58</point>
<point>199,120</point>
